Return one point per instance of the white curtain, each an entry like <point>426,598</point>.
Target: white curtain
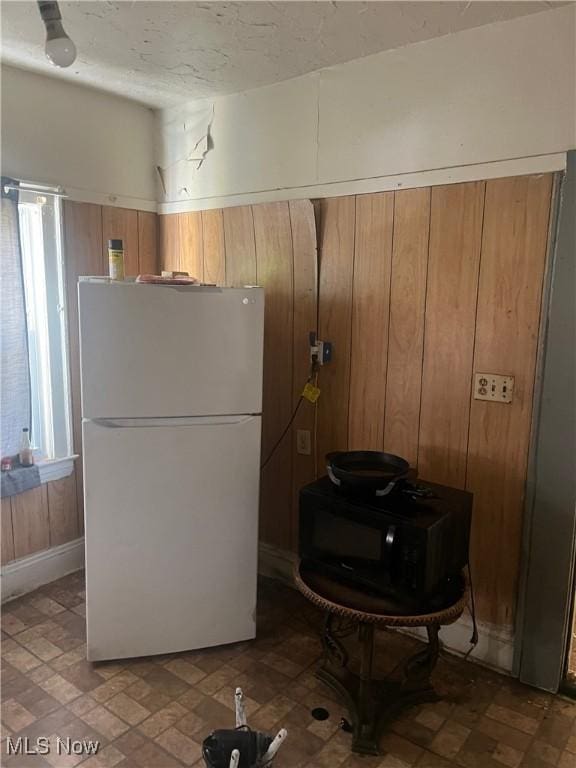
<point>14,371</point>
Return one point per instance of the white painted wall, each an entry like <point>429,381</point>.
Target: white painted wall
<point>490,94</point>
<point>99,147</point>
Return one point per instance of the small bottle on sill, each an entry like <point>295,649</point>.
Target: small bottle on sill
<point>25,455</point>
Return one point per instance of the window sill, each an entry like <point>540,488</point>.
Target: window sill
<point>56,469</point>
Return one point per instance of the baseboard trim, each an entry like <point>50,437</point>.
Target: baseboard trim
<point>495,648</point>
<point>275,563</point>
<point>28,573</point>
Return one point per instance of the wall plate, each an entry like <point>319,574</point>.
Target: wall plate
<point>303,442</point>
<point>493,386</point>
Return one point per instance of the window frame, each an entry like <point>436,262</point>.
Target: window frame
<point>40,217</point>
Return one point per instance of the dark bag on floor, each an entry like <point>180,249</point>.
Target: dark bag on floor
<point>252,745</point>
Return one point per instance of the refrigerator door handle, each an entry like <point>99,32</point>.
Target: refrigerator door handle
<point>178,421</point>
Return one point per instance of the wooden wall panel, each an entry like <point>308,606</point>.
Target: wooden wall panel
<point>458,301</point>
<point>84,255</point>
<point>121,223</point>
<point>214,253</point>
<point>147,243</point>
<point>43,517</point>
<point>62,515</point>
<point>83,244</point>
<point>336,248</point>
<point>169,241</point>
<point>406,334</point>
<point>370,315</point>
<point>240,247</point>
<point>191,244</point>
<point>507,323</point>
<point>30,521</point>
<point>7,544</point>
<point>302,222</point>
<point>454,255</point>
<point>273,239</point>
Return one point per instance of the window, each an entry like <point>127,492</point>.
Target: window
<point>40,220</point>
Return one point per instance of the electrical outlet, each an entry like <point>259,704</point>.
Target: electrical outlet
<point>492,386</point>
<point>303,442</point>
<point>320,351</point>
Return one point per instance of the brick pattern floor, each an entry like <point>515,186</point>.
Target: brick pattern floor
<point>154,712</point>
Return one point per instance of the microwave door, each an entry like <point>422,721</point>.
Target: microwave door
<point>346,541</point>
<point>353,548</point>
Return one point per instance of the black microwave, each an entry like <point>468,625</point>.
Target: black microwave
<point>406,544</point>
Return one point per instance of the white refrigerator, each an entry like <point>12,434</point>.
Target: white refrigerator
<point>171,382</point>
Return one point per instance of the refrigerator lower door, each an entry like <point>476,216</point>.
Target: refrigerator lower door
<point>171,519</point>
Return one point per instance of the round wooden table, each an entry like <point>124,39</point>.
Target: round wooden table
<point>371,703</point>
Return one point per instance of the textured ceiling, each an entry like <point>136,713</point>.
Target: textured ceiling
<point>160,53</point>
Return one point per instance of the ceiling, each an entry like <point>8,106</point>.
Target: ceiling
<point>160,53</point>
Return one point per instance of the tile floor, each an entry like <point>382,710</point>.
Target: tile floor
<point>154,713</point>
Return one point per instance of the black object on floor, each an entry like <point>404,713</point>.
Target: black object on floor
<point>218,747</point>
<point>319,713</point>
<point>345,725</point>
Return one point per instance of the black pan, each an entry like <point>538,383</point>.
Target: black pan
<point>365,470</point>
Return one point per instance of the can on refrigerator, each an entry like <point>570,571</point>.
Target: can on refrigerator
<point>116,259</point>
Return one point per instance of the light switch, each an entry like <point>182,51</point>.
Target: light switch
<point>492,386</point>
<point>303,442</point>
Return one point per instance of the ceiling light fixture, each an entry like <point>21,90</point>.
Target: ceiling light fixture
<point>59,48</point>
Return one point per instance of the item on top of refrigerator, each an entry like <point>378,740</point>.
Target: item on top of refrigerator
<point>162,280</point>
<point>174,273</point>
<point>116,259</point>
<point>6,464</point>
<point>25,455</point>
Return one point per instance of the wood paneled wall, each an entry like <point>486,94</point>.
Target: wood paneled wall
<point>464,295</point>
<point>417,290</point>
<point>38,519</point>
<point>52,514</point>
<point>273,245</point>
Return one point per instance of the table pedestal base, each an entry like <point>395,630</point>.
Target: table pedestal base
<point>372,703</point>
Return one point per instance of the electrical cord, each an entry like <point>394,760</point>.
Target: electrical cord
<point>283,435</point>
<point>474,638</point>
<point>312,377</point>
<point>313,367</point>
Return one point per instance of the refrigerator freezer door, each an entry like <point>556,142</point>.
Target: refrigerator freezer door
<point>171,517</point>
<point>152,350</point>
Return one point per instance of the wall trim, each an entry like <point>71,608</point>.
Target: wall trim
<point>28,573</point>
<point>105,198</point>
<point>521,166</point>
<point>80,195</point>
<point>55,469</point>
<point>547,583</point>
<point>495,648</point>
<point>275,563</point>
